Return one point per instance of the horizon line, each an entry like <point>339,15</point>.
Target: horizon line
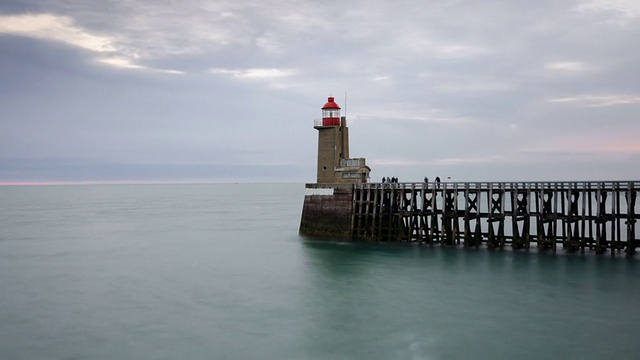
<point>136,182</point>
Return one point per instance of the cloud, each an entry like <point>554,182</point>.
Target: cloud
<point>599,142</point>
<point>568,67</point>
<point>471,160</point>
<point>618,12</point>
<point>121,63</point>
<point>620,148</point>
<point>421,41</point>
<point>380,78</point>
<point>599,100</point>
<point>124,63</point>
<point>459,84</point>
<point>459,50</point>
<point>270,43</point>
<point>253,74</point>
<point>394,162</point>
<point>52,27</point>
<point>55,28</point>
<point>400,113</point>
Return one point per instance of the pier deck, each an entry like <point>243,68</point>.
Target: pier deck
<point>579,216</point>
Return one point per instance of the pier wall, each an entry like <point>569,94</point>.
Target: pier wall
<point>327,211</point>
<point>576,216</point>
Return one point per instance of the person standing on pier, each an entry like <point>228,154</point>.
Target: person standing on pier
<point>438,181</point>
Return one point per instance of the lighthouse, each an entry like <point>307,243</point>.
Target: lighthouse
<point>334,163</point>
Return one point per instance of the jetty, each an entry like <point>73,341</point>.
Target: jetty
<point>576,216</point>
<point>580,216</point>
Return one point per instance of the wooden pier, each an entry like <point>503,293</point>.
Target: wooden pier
<point>579,216</point>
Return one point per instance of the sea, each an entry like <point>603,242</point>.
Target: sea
<point>218,271</point>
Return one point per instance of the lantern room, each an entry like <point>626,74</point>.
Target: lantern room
<point>331,113</point>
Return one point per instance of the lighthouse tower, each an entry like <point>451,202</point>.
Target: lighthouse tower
<point>334,164</point>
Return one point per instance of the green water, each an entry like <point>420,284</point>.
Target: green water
<point>218,272</point>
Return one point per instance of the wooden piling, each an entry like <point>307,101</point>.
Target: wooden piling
<point>564,213</point>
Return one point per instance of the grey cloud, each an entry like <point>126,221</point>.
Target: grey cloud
<point>426,82</point>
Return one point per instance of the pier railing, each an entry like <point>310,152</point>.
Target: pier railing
<point>598,216</point>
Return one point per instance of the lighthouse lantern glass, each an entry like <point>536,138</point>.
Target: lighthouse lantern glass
<point>331,113</point>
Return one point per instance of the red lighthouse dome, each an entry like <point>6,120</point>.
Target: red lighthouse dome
<point>331,113</point>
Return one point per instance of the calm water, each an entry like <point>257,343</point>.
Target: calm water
<point>218,272</point>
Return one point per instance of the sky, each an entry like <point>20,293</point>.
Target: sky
<point>227,91</point>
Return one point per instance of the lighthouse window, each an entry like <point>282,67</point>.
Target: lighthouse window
<point>350,162</point>
<point>324,168</point>
<point>349,175</point>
